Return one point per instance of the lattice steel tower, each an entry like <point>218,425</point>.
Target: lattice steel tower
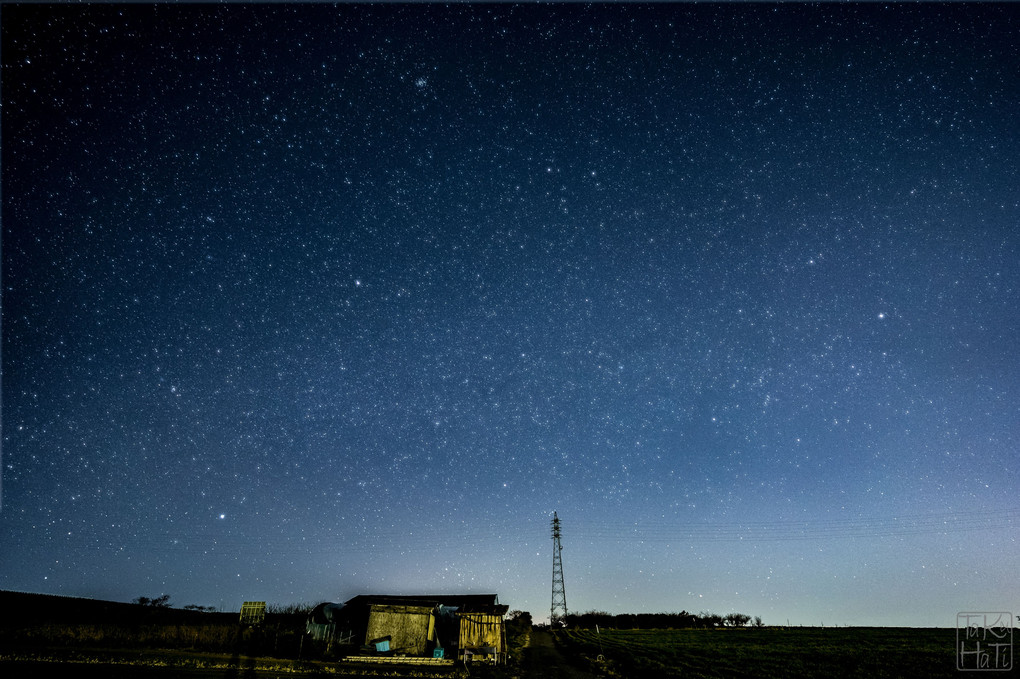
<point>559,598</point>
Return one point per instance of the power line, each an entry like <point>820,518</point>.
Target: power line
<point>667,530</point>
<point>512,537</point>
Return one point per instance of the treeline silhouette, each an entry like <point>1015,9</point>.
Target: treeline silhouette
<point>42,620</point>
<point>680,620</point>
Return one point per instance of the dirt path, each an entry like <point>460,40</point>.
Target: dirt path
<point>543,660</point>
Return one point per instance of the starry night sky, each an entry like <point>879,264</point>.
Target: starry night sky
<point>303,302</point>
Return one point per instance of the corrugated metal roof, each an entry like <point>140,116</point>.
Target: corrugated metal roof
<point>466,601</point>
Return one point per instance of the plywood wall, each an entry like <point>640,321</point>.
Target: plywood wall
<point>410,628</point>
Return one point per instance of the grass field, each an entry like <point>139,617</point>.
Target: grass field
<point>871,652</point>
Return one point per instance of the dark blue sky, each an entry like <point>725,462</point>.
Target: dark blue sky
<point>302,302</point>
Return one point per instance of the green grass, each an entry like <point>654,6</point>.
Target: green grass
<point>895,653</point>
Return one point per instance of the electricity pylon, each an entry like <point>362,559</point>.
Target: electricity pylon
<point>558,612</point>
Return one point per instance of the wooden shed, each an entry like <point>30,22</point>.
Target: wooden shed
<point>468,627</point>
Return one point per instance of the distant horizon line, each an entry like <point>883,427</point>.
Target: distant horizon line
<point>538,622</point>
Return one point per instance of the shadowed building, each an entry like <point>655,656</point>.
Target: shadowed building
<point>466,626</point>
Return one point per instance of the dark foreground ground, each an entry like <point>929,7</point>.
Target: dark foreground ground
<point>48,636</point>
<point>244,669</point>
<point>33,670</point>
<point>893,653</point>
<point>543,659</point>
<point>832,652</point>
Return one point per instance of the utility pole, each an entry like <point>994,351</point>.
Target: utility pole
<point>558,612</point>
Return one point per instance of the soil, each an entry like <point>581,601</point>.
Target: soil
<point>543,660</point>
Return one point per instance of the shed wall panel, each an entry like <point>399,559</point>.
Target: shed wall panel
<point>481,630</point>
<point>409,627</point>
